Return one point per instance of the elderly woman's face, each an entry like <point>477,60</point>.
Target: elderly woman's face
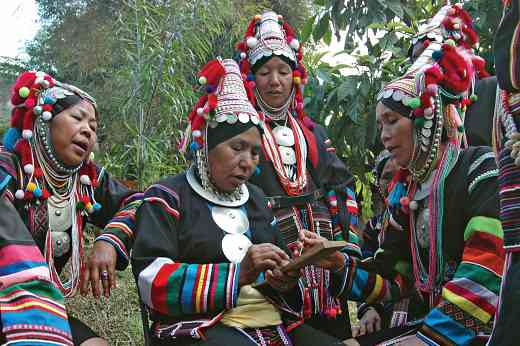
<point>396,134</point>
<point>274,82</point>
<point>73,133</point>
<point>231,163</point>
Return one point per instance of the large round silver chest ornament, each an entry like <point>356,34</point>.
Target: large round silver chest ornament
<point>61,243</point>
<point>422,228</point>
<point>287,155</point>
<point>283,136</point>
<point>235,223</point>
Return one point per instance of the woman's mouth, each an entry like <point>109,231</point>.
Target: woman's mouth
<point>80,147</point>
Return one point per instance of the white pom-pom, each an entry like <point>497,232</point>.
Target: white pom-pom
<point>202,80</point>
<point>28,168</point>
<point>413,205</point>
<point>200,111</point>
<point>84,179</point>
<point>46,116</point>
<point>295,44</point>
<point>39,80</point>
<point>27,134</point>
<point>19,194</point>
<point>45,84</point>
<point>196,133</point>
<point>40,74</point>
<point>243,55</point>
<point>428,111</point>
<point>457,36</point>
<point>251,42</point>
<point>334,203</point>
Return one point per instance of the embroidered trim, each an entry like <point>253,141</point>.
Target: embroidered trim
<point>480,160</point>
<point>489,174</point>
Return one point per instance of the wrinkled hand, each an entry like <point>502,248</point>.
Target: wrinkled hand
<point>281,281</point>
<point>102,259</point>
<point>335,261</point>
<point>370,322</point>
<point>261,258</point>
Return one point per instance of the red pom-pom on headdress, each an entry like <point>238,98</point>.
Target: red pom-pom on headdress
<point>211,72</point>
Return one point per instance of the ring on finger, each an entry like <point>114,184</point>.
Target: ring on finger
<point>104,275</point>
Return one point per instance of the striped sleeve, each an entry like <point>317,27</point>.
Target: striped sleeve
<point>177,289</point>
<point>470,299</point>
<point>32,310</point>
<point>169,286</point>
<point>120,231</point>
<point>370,287</point>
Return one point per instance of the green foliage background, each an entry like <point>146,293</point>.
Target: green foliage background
<point>139,59</point>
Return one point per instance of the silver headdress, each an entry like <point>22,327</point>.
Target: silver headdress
<point>271,38</point>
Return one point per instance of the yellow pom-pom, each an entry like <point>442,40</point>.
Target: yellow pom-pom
<point>31,187</point>
<point>257,17</point>
<point>297,80</point>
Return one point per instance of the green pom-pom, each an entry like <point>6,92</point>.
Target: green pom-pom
<point>419,122</point>
<point>450,42</point>
<point>80,205</point>
<point>24,92</point>
<point>460,128</point>
<point>473,98</point>
<point>414,103</point>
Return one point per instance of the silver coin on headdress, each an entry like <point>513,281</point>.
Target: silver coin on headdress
<point>287,155</point>
<point>230,220</point>
<point>283,136</point>
<point>235,247</point>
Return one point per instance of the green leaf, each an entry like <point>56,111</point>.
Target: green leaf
<point>321,28</point>
<point>327,38</point>
<point>396,7</point>
<point>345,89</point>
<point>307,28</point>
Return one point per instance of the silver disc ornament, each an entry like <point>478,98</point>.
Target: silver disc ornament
<point>60,218</point>
<point>422,228</point>
<point>283,136</point>
<point>230,220</point>
<point>235,247</point>
<point>287,155</point>
<point>61,243</point>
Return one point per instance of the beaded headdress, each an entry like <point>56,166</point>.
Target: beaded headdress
<point>36,100</point>
<point>270,35</point>
<point>438,87</point>
<point>226,103</point>
<point>435,91</point>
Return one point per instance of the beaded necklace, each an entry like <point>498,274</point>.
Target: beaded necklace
<point>429,279</point>
<point>296,186</point>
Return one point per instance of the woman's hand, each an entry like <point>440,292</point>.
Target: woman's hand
<point>282,281</point>
<point>261,258</point>
<point>335,261</point>
<point>370,322</point>
<point>99,270</point>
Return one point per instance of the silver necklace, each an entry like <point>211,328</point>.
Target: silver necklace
<point>275,113</point>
